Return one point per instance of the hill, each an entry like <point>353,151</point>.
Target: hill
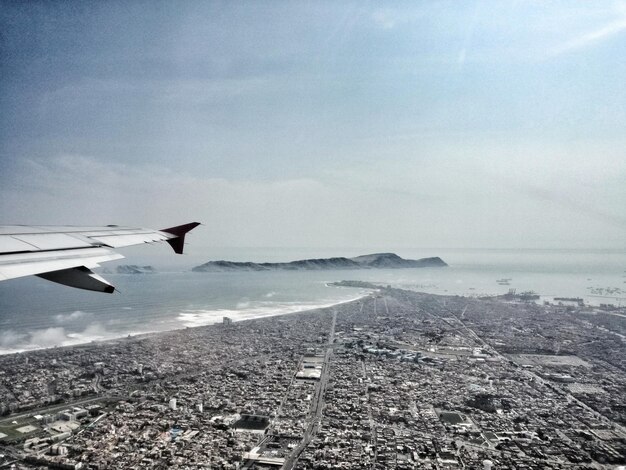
<point>372,261</point>
<point>134,269</point>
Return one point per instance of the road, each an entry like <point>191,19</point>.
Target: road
<point>318,402</point>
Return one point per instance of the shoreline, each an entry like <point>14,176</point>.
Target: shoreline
<point>149,334</point>
<point>184,319</point>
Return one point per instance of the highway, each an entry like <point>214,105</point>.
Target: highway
<point>315,416</point>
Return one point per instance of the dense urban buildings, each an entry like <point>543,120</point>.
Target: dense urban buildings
<point>395,380</point>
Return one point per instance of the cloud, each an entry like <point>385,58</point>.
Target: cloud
<point>593,37</point>
<point>467,40</point>
<point>473,195</point>
<point>360,133</point>
<point>84,191</point>
<point>568,203</point>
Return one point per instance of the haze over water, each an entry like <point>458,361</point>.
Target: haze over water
<point>297,124</point>
<point>37,314</point>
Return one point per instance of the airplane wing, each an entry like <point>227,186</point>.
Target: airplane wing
<point>66,254</point>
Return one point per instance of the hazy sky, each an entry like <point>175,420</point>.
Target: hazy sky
<point>321,124</point>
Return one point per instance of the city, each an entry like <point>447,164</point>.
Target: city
<point>395,380</point>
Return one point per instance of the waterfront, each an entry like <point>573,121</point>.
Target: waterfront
<point>397,380</point>
<point>35,313</point>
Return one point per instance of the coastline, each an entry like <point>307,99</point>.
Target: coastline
<point>157,304</point>
<point>203,318</point>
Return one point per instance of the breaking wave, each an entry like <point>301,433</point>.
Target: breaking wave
<point>12,342</point>
<point>200,317</point>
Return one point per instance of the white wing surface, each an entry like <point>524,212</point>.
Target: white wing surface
<point>66,254</point>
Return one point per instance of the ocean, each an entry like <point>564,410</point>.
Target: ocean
<point>38,314</point>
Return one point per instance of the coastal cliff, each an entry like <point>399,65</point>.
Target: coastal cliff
<point>373,261</point>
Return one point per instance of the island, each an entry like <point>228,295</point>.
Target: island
<point>372,261</point>
<point>134,269</point>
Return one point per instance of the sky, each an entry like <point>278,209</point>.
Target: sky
<point>322,124</point>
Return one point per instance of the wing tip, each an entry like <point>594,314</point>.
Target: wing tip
<point>179,233</point>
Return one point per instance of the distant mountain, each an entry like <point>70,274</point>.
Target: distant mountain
<point>373,261</point>
<point>134,269</point>
<point>391,260</point>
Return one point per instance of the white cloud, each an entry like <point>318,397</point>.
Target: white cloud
<point>593,37</point>
<point>479,194</point>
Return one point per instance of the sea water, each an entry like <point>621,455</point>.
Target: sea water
<point>38,314</point>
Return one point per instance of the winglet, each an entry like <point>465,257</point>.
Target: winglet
<point>179,232</point>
